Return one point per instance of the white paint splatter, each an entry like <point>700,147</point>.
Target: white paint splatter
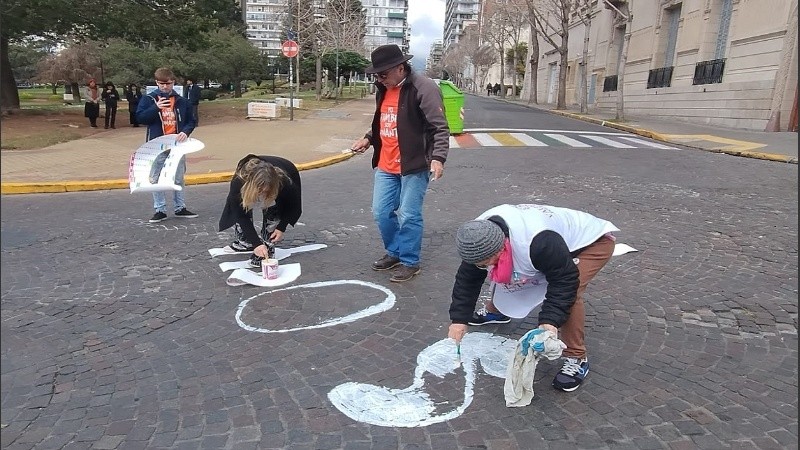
<point>412,406</point>
<point>385,305</point>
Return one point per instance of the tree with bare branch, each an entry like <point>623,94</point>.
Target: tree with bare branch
<point>496,32</point>
<point>531,79</point>
<point>584,10</point>
<point>619,16</point>
<point>551,19</point>
<point>513,14</point>
<point>479,55</point>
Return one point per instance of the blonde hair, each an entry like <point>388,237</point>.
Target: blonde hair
<point>261,182</point>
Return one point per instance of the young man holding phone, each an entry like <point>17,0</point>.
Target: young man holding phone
<point>165,112</point>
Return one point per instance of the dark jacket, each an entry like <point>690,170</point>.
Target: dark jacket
<point>288,203</point>
<point>422,131</point>
<point>110,97</point>
<point>147,113</point>
<point>550,255</point>
<point>133,97</point>
<point>193,94</point>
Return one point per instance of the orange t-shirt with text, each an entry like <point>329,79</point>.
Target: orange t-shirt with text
<point>390,149</point>
<point>169,120</point>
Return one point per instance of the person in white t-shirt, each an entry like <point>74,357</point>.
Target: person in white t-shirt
<point>534,255</point>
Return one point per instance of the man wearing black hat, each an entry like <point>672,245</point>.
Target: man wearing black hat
<point>534,255</point>
<point>411,139</point>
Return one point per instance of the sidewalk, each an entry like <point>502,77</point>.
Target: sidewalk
<point>781,146</point>
<point>100,162</point>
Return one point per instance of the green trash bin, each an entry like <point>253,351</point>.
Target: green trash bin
<point>453,106</point>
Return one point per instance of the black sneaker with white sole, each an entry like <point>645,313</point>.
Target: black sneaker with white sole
<point>571,375</point>
<point>158,217</point>
<point>255,261</point>
<point>185,213</point>
<point>241,246</point>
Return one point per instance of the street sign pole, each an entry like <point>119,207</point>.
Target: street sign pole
<point>291,92</point>
<point>290,50</point>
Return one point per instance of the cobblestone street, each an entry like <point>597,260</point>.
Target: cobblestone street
<point>120,334</point>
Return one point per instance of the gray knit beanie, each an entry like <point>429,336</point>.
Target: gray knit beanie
<point>478,240</point>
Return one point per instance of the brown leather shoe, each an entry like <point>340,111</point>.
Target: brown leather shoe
<point>386,263</point>
<point>404,273</point>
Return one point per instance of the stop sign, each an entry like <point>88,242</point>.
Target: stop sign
<point>290,49</point>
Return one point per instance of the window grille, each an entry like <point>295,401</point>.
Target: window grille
<point>709,72</point>
<point>661,77</point>
<point>610,83</point>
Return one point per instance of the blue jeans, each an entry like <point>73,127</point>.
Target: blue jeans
<point>160,199</point>
<point>397,209</point>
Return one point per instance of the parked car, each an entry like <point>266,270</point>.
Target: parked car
<point>214,85</point>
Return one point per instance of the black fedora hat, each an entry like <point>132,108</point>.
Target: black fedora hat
<point>385,57</point>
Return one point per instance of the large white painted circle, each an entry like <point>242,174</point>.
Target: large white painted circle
<point>385,305</point>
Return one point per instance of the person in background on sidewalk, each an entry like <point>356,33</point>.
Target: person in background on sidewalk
<point>497,89</point>
<point>111,99</point>
<point>411,141</point>
<point>273,183</point>
<point>91,95</point>
<point>133,95</point>
<point>165,112</point>
<point>489,89</point>
<point>193,95</point>
<point>528,248</point>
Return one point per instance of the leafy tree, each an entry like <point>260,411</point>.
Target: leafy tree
<point>74,65</point>
<point>519,52</point>
<point>26,55</point>
<point>235,57</point>
<point>148,22</point>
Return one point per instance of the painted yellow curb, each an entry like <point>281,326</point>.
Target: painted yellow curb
<point>102,185</point>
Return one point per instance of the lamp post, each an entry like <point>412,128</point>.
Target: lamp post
<point>338,43</point>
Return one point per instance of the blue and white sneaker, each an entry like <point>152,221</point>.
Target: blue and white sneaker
<point>571,374</point>
<point>484,317</point>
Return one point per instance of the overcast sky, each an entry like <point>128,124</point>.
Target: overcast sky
<point>426,18</point>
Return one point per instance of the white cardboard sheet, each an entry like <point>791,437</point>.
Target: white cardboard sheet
<point>286,274</point>
<point>153,165</point>
<point>280,253</point>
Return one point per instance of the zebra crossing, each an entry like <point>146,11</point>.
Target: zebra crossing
<point>484,137</point>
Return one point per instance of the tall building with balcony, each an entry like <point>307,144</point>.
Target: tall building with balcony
<point>387,23</point>
<point>434,61</point>
<point>457,15</point>
<point>264,21</point>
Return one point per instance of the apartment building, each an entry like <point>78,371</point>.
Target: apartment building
<point>729,63</point>
<point>265,23</point>
<point>387,23</point>
<point>435,54</point>
<point>458,15</point>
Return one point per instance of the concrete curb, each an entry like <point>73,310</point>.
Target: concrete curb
<point>102,185</point>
